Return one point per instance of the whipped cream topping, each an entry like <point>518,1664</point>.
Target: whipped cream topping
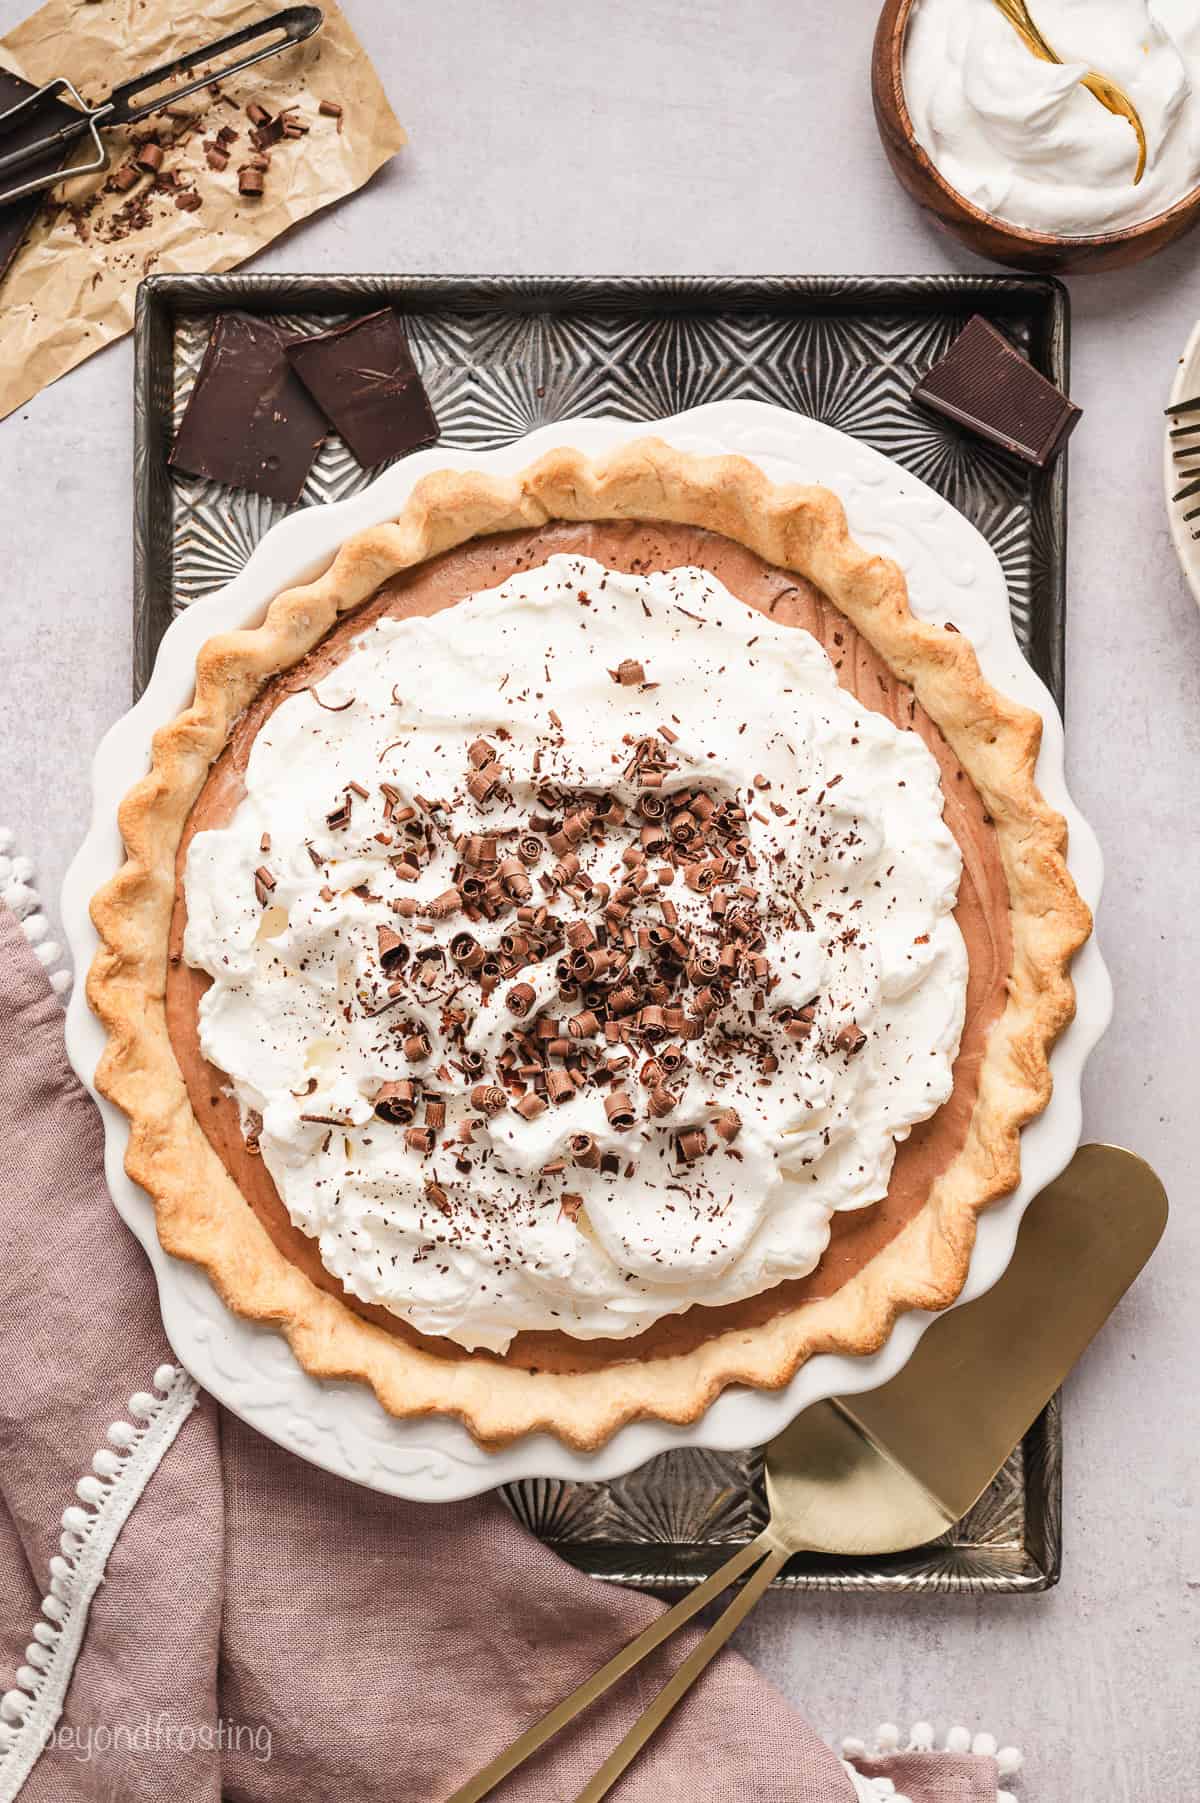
<point>576,952</point>
<point>1025,141</point>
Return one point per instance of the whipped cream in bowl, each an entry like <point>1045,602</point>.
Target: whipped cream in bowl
<point>1025,142</point>
<point>577,952</point>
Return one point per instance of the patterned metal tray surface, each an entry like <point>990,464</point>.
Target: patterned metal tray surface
<point>500,355</point>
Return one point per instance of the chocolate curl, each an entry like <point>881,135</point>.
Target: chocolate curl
<point>683,827</point>
<point>481,753</point>
<point>545,1027</point>
<point>583,1025</point>
<point>620,1112</point>
<point>435,1113</point>
<point>482,784</point>
<point>608,810</point>
<point>514,880</point>
<point>437,1195</point>
<point>529,849</point>
<point>651,807</point>
<point>673,1057</point>
<point>530,1106</point>
<point>623,1000</point>
<point>447,903</point>
<point>708,1000</point>
<point>520,998</point>
<point>628,673</point>
<point>690,1144</point>
<point>407,869</point>
<point>653,836</point>
<point>850,1039</point>
<point>566,870</point>
<point>701,877</point>
<point>660,1102</point>
<point>653,1022</point>
<point>472,1061</point>
<point>727,1125</point>
<point>488,1098</point>
<point>417,1046</point>
<point>571,1205</point>
<point>559,1086</point>
<point>396,1103</point>
<point>581,935</point>
<point>476,849</point>
<point>393,951</point>
<point>467,952</point>
<point>420,1139</point>
<point>584,1151</point>
<point>586,966</point>
<point>515,947</point>
<point>264,883</point>
<point>651,1074</point>
<point>703,968</point>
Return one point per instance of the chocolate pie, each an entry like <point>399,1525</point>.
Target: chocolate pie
<point>591,946</point>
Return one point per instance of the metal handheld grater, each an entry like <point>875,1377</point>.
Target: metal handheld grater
<point>135,99</point>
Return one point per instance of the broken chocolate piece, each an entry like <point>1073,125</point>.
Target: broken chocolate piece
<point>984,383</point>
<point>363,376</point>
<point>249,422</point>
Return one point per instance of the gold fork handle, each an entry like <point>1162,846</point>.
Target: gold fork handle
<point>594,1687</point>
<point>655,1715</point>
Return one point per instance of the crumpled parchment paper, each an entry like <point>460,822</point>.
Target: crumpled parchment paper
<point>71,287</point>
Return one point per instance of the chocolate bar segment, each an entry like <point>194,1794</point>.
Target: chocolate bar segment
<point>364,378</point>
<point>16,216</point>
<point>984,383</point>
<point>249,422</point>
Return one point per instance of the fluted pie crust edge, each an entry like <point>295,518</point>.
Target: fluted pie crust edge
<point>201,1213</point>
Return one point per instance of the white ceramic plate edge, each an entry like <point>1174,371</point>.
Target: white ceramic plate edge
<point>1186,386</point>
<point>952,573</point>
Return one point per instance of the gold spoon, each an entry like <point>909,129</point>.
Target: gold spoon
<point>898,1466</point>
<point>1110,96</point>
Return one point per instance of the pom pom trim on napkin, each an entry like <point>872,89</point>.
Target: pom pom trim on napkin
<point>888,1741</point>
<point>18,892</point>
<point>30,1711</point>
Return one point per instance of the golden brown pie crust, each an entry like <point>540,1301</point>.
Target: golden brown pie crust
<point>915,1256</point>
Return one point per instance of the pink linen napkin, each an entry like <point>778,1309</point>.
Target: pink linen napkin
<point>265,1631</point>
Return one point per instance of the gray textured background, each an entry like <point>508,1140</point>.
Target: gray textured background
<point>638,137</point>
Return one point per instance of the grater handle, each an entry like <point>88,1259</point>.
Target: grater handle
<point>124,107</point>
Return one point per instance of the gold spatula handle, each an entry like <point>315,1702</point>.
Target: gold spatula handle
<point>594,1687</point>
<point>653,1717</point>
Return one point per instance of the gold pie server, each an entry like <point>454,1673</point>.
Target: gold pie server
<point>1113,98</point>
<point>896,1467</point>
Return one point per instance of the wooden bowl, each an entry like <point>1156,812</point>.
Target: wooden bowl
<point>980,231</point>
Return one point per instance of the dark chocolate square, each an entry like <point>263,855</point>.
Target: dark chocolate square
<point>249,421</point>
<point>984,383</point>
<point>16,216</point>
<point>363,377</point>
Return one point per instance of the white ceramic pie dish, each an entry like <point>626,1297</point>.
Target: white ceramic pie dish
<point>952,574</point>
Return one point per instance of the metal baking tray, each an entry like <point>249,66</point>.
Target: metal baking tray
<point>502,354</point>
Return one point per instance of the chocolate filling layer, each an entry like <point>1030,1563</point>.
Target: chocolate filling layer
<point>982,914</point>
